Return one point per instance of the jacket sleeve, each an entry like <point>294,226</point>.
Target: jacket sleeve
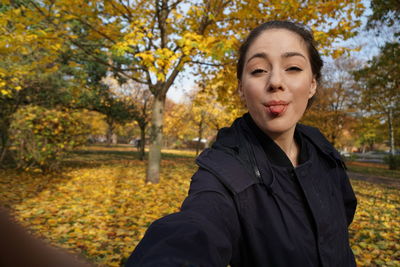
<point>203,233</point>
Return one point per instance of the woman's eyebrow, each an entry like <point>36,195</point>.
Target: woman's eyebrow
<point>258,55</point>
<point>292,54</point>
<point>284,55</point>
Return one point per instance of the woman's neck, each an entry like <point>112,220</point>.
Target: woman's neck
<point>288,144</point>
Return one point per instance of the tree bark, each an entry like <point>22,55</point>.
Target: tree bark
<point>200,133</point>
<point>142,140</point>
<point>4,139</point>
<point>110,131</point>
<point>153,165</point>
<point>3,151</point>
<point>391,131</point>
<point>3,147</point>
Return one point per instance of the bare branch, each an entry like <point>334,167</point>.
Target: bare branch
<point>128,17</point>
<point>89,53</point>
<point>208,64</point>
<point>96,30</point>
<point>127,10</point>
<point>174,5</point>
<point>173,76</point>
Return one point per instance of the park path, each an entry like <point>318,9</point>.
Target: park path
<point>391,182</point>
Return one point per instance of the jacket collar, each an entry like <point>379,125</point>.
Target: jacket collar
<point>273,152</point>
<point>235,156</point>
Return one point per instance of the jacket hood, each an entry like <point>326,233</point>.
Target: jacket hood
<point>231,156</point>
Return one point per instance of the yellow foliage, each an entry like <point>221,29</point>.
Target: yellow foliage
<point>27,47</point>
<point>375,231</point>
<point>103,208</point>
<point>101,211</point>
<point>160,45</point>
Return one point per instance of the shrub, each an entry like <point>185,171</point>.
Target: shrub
<point>42,136</point>
<point>393,161</point>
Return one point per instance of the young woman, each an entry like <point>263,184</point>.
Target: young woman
<point>270,192</point>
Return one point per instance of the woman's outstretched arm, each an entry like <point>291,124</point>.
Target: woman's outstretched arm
<point>204,233</point>
<point>19,249</point>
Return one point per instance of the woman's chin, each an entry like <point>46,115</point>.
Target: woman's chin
<point>277,127</point>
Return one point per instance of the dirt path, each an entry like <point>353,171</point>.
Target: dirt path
<point>391,182</point>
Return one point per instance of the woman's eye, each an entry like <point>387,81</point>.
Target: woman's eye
<point>294,69</point>
<point>257,71</point>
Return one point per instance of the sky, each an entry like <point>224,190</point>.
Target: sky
<point>184,83</point>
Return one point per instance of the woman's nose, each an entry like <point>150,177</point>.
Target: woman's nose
<point>275,80</point>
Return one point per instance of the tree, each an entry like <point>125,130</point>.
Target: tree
<point>177,127</point>
<point>380,87</point>
<point>368,131</point>
<point>208,116</point>
<point>41,136</point>
<point>331,110</point>
<point>159,38</point>
<point>98,96</point>
<point>31,67</point>
<point>201,111</point>
<point>138,100</point>
<point>385,12</point>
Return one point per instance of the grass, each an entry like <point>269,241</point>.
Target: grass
<point>99,206</point>
<point>372,169</point>
<point>130,151</point>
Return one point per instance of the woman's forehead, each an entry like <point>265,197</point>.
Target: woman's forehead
<point>277,42</point>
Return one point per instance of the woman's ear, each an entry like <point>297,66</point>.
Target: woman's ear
<point>241,94</point>
<point>313,88</point>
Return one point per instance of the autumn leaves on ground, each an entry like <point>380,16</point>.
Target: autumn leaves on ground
<point>100,207</point>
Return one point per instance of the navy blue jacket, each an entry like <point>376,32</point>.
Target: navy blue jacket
<point>240,212</point>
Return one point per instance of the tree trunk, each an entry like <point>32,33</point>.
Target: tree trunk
<point>200,134</point>
<point>3,151</point>
<point>153,165</point>
<point>391,131</point>
<point>4,139</point>
<point>142,140</point>
<point>110,130</point>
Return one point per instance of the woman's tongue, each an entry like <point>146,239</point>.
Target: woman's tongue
<point>276,109</point>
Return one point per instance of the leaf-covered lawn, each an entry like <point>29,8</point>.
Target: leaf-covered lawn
<point>369,168</point>
<point>100,206</point>
<point>375,231</point>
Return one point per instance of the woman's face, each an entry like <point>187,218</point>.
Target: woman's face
<point>277,81</point>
